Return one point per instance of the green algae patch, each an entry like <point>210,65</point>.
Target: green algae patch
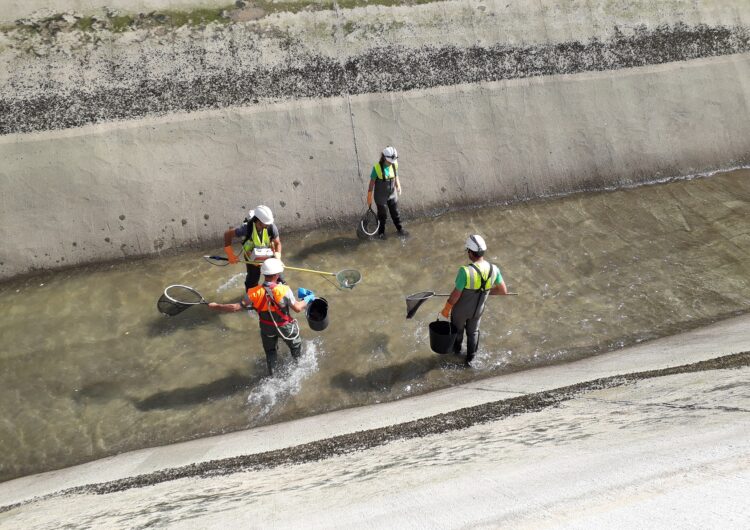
<point>196,17</point>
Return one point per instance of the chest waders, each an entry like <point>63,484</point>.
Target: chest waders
<point>467,316</point>
<point>386,198</point>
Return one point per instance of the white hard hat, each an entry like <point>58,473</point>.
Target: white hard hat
<point>390,154</point>
<point>476,243</point>
<point>263,213</point>
<point>272,266</point>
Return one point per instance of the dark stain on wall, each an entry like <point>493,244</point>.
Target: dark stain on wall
<point>385,69</point>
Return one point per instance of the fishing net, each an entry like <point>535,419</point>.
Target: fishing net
<point>368,225</point>
<point>177,298</point>
<point>348,278</point>
<point>414,301</point>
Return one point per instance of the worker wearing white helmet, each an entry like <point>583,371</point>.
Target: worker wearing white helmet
<point>385,187</point>
<point>272,300</point>
<point>258,232</point>
<point>465,305</point>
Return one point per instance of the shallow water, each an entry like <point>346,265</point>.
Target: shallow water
<point>89,368</point>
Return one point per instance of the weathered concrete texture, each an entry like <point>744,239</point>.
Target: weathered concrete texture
<point>131,86</point>
<point>293,109</point>
<point>141,187</point>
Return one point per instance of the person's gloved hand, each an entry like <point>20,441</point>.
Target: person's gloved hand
<point>230,254</point>
<point>305,294</point>
<point>277,255</point>
<point>446,312</point>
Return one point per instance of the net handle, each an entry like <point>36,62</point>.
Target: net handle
<point>222,259</point>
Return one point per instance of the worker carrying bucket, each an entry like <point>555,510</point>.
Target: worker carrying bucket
<point>465,305</point>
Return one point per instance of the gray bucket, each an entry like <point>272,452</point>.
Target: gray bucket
<point>442,336</point>
<point>317,314</point>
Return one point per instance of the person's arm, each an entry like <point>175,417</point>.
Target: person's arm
<point>499,288</point>
<point>225,308</point>
<point>298,305</point>
<point>370,187</point>
<point>276,246</point>
<point>228,236</point>
<point>398,185</point>
<point>452,299</point>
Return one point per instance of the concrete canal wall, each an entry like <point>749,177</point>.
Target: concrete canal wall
<point>127,133</point>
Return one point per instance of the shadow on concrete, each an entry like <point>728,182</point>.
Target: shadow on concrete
<point>185,397</point>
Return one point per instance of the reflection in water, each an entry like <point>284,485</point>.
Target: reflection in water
<point>89,368</point>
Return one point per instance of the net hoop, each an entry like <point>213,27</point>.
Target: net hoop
<point>173,297</point>
<point>369,219</point>
<point>348,278</point>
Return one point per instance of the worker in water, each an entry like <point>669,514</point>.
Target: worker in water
<point>386,187</point>
<point>258,232</point>
<point>465,305</point>
<point>272,300</point>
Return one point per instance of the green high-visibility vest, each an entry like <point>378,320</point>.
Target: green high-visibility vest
<point>484,281</point>
<point>393,172</point>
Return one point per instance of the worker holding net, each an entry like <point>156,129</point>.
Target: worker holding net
<point>273,300</point>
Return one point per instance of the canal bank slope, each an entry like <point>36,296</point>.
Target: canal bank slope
<point>132,134</point>
<point>659,428</point>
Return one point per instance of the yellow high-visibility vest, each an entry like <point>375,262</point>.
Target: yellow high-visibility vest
<point>483,281</point>
<point>393,172</point>
<point>260,241</point>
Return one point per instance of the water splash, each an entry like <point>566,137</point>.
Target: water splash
<point>286,383</point>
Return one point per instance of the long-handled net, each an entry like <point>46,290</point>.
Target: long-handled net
<point>177,298</point>
<point>415,301</point>
<point>346,278</point>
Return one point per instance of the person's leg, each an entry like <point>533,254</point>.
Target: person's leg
<point>472,338</point>
<point>253,275</point>
<point>393,208</point>
<point>294,342</point>
<point>382,217</point>
<point>269,346</point>
<point>460,323</point>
